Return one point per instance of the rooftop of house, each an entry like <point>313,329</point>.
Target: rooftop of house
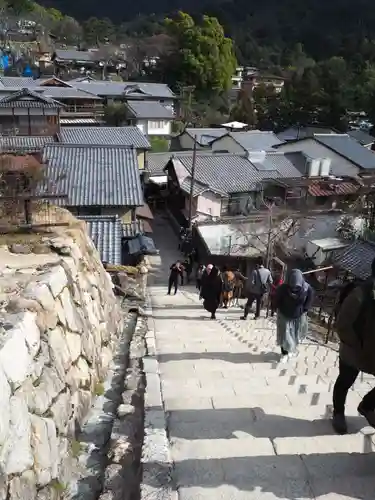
<point>364,138</point>
<point>106,232</point>
<point>16,82</point>
<point>65,93</point>
<point>349,148</point>
<point>356,258</point>
<point>255,140</point>
<point>24,143</point>
<point>75,55</point>
<point>205,135</point>
<point>230,173</point>
<point>129,89</point>
<point>115,136</point>
<point>295,133</point>
<point>26,98</point>
<point>149,110</point>
<point>156,162</point>
<point>94,175</point>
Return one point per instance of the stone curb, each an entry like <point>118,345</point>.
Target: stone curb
<point>157,465</point>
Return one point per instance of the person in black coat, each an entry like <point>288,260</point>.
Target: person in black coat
<point>176,270</point>
<point>212,286</point>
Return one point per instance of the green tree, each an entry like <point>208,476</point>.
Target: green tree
<point>200,55</point>
<point>98,30</point>
<point>243,110</point>
<point>115,114</point>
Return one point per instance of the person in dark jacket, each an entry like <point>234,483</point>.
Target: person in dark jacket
<point>356,330</point>
<point>211,290</point>
<point>176,270</point>
<point>257,286</point>
<point>293,299</point>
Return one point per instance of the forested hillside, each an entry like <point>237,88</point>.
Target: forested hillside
<point>325,28</point>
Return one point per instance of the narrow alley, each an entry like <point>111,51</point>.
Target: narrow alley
<point>241,425</point>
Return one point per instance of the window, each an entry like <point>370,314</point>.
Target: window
<point>156,124</point>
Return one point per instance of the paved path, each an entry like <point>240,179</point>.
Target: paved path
<point>241,425</point>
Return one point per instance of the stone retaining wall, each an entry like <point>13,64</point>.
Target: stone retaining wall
<point>59,320</point>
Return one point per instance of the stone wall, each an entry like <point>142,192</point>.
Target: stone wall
<point>59,320</point>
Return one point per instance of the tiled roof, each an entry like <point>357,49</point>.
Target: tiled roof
<point>65,93</point>
<point>18,82</point>
<point>255,140</point>
<point>198,188</point>
<point>149,110</point>
<point>356,258</point>
<point>75,55</point>
<point>205,135</point>
<point>150,88</point>
<point>106,234</point>
<point>114,136</point>
<point>295,133</point>
<point>324,189</point>
<point>362,137</point>
<point>223,173</point>
<point>27,98</point>
<point>156,162</point>
<point>24,143</point>
<point>128,89</point>
<point>132,229</point>
<point>94,175</point>
<point>279,162</point>
<point>102,89</point>
<point>349,148</point>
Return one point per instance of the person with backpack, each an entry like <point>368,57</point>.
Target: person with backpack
<point>292,301</point>
<point>356,329</point>
<point>258,285</point>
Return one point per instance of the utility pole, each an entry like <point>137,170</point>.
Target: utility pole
<point>192,182</point>
<point>270,224</point>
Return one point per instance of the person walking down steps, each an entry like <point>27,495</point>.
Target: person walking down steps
<point>293,299</point>
<point>211,290</point>
<point>258,285</point>
<point>176,271</point>
<point>356,329</point>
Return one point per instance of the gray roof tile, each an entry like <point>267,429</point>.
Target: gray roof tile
<point>284,164</point>
<point>356,258</point>
<point>295,133</point>
<point>24,143</point>
<point>255,140</point>
<point>106,234</point>
<point>223,173</point>
<point>230,173</point>
<point>17,82</point>
<point>149,110</point>
<point>362,137</point>
<point>75,55</point>
<point>65,93</point>
<point>27,98</point>
<point>114,136</point>
<point>349,148</point>
<point>205,135</point>
<point>132,229</point>
<point>156,162</point>
<point>94,175</point>
<point>128,89</point>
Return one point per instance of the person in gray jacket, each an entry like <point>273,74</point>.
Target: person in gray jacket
<point>258,285</point>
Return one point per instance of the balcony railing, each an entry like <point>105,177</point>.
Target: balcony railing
<point>82,110</point>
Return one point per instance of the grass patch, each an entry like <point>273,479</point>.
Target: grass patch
<point>99,389</point>
<point>76,447</point>
<point>58,486</point>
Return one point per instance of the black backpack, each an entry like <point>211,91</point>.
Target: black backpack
<point>367,303</point>
<point>345,291</point>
